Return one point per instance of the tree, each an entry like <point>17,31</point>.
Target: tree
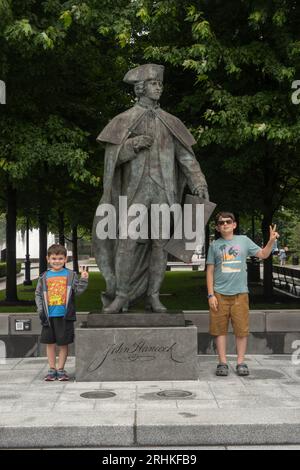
<point>241,100</point>
<point>229,81</point>
<point>55,73</point>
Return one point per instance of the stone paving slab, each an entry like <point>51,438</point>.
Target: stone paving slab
<point>263,409</point>
<point>283,320</point>
<point>227,427</point>
<point>69,429</point>
<point>4,329</point>
<point>288,447</point>
<point>8,364</point>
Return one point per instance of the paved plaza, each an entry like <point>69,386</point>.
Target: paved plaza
<point>263,409</point>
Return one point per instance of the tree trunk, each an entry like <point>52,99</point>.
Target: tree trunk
<point>268,263</point>
<point>75,249</point>
<point>11,251</point>
<point>237,219</point>
<point>253,227</point>
<point>270,183</point>
<point>27,280</point>
<point>61,228</point>
<point>207,236</point>
<point>43,238</point>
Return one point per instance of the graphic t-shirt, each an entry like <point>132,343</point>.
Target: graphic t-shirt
<point>57,292</point>
<point>229,258</point>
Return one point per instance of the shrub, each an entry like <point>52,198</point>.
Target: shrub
<point>3,269</point>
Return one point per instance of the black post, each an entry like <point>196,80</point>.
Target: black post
<point>43,244</point>
<point>61,228</point>
<point>27,281</point>
<point>253,227</point>
<point>11,229</point>
<point>75,248</point>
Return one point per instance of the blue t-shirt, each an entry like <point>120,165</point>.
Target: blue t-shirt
<point>57,292</point>
<point>229,258</point>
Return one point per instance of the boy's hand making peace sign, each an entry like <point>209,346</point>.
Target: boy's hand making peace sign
<point>265,252</point>
<point>84,272</point>
<point>273,234</point>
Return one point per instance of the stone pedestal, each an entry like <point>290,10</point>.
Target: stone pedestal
<point>132,353</point>
<point>143,320</point>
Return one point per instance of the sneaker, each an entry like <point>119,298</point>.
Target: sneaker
<point>62,376</point>
<point>51,375</point>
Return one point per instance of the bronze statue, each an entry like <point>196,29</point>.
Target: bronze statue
<point>149,159</point>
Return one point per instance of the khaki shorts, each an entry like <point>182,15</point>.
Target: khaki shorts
<point>234,307</point>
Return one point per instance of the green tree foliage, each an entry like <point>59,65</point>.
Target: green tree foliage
<point>244,57</point>
<point>230,68</point>
<point>59,73</point>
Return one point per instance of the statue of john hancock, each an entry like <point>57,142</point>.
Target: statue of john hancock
<point>149,159</point>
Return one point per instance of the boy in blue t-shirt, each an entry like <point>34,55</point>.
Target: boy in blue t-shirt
<point>228,289</point>
<point>55,300</point>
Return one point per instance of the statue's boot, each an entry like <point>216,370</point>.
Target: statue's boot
<point>153,304</point>
<point>117,305</point>
<point>106,299</point>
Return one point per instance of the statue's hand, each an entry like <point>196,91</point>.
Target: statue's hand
<point>142,142</point>
<point>201,191</point>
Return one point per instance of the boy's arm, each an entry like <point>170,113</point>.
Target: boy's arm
<point>213,302</point>
<point>39,300</point>
<point>210,279</point>
<point>39,296</point>
<point>80,284</point>
<point>265,252</point>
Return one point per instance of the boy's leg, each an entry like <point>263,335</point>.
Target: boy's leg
<point>241,347</point>
<point>48,338</point>
<point>65,336</point>
<point>221,348</point>
<point>219,321</point>
<point>240,321</point>
<point>51,355</point>
<point>62,356</point>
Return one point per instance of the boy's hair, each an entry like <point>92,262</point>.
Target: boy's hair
<point>57,249</point>
<point>224,215</point>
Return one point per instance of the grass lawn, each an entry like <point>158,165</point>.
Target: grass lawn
<point>180,291</point>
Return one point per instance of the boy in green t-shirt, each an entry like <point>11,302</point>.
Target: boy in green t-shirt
<point>228,289</point>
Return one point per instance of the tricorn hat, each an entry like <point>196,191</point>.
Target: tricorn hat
<point>145,72</point>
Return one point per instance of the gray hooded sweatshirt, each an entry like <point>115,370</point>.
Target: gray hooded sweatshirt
<point>75,286</point>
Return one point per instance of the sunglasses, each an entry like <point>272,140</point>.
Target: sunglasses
<point>223,222</point>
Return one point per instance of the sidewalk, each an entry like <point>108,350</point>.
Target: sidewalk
<point>263,409</point>
<point>292,266</point>
<point>34,273</point>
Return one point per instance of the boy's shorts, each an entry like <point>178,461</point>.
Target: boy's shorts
<point>60,332</point>
<point>235,307</point>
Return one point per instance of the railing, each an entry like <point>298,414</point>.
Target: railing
<point>287,279</point>
<point>196,265</point>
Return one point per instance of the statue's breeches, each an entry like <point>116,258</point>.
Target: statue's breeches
<point>149,193</point>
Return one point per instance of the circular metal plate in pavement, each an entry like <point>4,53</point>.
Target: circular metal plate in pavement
<point>176,394</point>
<point>98,394</point>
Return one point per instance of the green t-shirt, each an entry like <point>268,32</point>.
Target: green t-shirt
<point>229,258</point>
